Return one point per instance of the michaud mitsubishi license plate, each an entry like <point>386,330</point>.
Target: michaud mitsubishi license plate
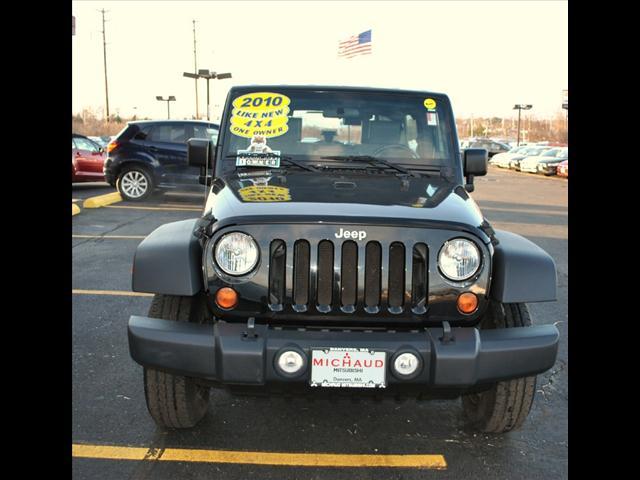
<point>348,367</point>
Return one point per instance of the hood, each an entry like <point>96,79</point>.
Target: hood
<point>320,195</point>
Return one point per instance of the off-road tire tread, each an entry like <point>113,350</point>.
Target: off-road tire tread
<point>507,404</point>
<point>172,400</point>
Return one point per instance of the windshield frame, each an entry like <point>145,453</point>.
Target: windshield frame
<point>455,165</point>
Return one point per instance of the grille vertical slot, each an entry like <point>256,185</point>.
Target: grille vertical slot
<point>396,277</point>
<point>373,262</point>
<point>325,275</point>
<point>349,276</point>
<point>419,279</point>
<point>277,264</point>
<point>301,252</point>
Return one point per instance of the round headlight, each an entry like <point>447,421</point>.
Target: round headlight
<point>459,259</point>
<point>236,253</point>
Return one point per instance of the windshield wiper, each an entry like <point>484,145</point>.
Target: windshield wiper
<point>370,160</point>
<point>285,159</point>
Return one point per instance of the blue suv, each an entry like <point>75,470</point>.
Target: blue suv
<point>150,155</point>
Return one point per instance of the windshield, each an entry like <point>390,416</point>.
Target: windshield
<point>534,151</point>
<point>550,153</point>
<point>409,130</point>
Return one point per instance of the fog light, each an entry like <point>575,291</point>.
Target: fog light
<point>406,363</point>
<point>467,302</point>
<point>226,298</point>
<point>290,361</point>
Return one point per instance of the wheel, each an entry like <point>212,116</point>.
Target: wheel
<point>506,404</point>
<point>135,183</point>
<point>175,401</point>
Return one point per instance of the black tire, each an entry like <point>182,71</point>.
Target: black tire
<point>145,184</point>
<point>175,401</point>
<point>506,405</point>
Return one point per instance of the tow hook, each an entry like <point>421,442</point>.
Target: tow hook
<point>447,336</point>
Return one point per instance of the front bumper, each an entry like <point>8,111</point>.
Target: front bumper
<point>231,354</point>
<point>547,170</point>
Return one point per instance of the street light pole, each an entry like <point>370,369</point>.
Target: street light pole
<point>565,106</point>
<point>195,68</point>
<point>208,98</point>
<point>210,76</point>
<point>169,99</point>
<point>520,107</point>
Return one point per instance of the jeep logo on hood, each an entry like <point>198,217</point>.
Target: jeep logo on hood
<point>355,234</point>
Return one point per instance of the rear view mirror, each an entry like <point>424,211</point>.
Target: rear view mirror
<point>475,163</point>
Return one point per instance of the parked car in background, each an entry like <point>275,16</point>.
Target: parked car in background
<point>563,169</point>
<point>534,155</point>
<point>149,155</point>
<point>548,164</point>
<point>100,141</point>
<point>528,151</point>
<point>502,159</point>
<point>489,145</point>
<point>87,160</point>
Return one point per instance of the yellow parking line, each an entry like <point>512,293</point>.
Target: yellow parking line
<point>111,292</point>
<point>110,236</point>
<point>75,209</point>
<point>157,208</point>
<point>259,458</point>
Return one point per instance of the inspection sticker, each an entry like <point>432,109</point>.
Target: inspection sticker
<point>430,103</point>
<point>432,118</point>
<point>248,158</point>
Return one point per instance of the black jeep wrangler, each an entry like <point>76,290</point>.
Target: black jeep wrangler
<point>340,253</point>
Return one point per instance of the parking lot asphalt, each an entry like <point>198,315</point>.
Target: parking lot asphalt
<point>108,398</point>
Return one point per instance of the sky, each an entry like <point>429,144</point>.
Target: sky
<point>485,55</point>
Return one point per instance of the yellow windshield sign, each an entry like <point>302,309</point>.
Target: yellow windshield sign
<point>260,113</point>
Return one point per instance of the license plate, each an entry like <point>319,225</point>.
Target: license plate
<point>348,368</point>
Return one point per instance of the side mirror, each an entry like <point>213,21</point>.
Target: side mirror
<point>200,153</point>
<point>475,163</point>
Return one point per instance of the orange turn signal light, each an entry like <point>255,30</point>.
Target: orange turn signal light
<point>467,302</point>
<point>226,298</point>
<point>111,146</point>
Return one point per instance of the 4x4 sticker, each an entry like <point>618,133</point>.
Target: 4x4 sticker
<point>261,114</point>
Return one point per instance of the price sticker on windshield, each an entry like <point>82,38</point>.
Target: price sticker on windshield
<point>263,114</point>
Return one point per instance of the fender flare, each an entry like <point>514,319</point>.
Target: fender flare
<point>522,271</point>
<point>168,261</point>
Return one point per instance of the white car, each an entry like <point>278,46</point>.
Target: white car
<point>503,159</point>
<point>530,164</point>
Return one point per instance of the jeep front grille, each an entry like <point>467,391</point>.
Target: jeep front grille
<point>348,277</point>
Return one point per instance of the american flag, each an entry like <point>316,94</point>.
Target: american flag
<point>355,45</point>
